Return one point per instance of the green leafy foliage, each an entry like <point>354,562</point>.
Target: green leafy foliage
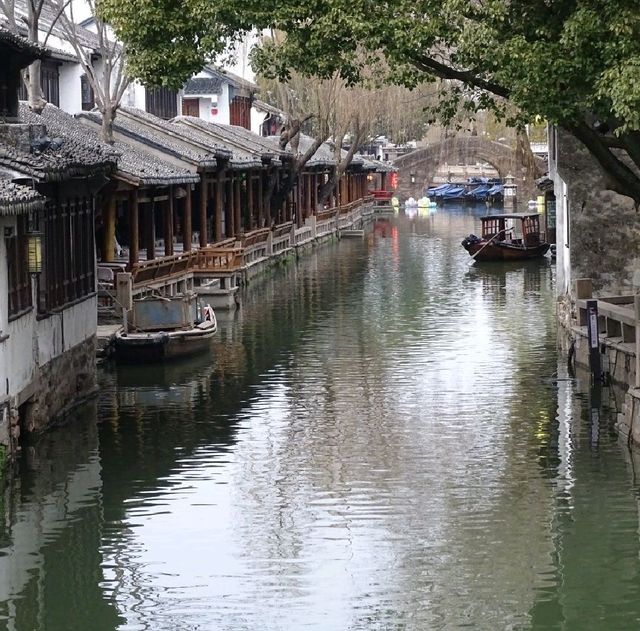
<point>575,63</point>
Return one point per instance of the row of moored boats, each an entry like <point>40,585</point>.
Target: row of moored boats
<point>477,189</point>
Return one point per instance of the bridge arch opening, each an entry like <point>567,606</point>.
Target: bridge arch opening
<point>416,170</point>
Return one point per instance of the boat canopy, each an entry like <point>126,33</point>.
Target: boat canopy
<point>510,216</point>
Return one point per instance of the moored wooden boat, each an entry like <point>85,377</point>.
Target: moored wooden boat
<point>152,346</point>
<point>507,237</point>
<point>165,328</point>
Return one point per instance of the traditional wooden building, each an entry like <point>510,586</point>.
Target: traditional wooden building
<point>47,261</point>
<point>255,166</point>
<point>160,140</point>
<point>147,205</point>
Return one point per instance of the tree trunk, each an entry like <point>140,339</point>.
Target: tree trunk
<point>327,188</point>
<point>106,129</point>
<point>34,85</point>
<point>34,88</point>
<point>281,194</point>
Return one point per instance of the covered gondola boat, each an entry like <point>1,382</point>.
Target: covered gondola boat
<point>507,237</point>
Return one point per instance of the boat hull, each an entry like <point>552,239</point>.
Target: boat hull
<point>504,251</point>
<point>162,346</point>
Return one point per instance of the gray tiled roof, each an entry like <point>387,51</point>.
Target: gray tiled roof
<point>17,42</point>
<point>322,157</point>
<point>156,136</point>
<point>54,161</point>
<point>265,107</point>
<point>16,198</point>
<point>203,85</point>
<point>49,16</point>
<point>371,164</point>
<point>196,137</point>
<point>231,78</point>
<point>238,139</point>
<point>132,163</point>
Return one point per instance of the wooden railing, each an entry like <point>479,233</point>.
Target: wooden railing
<point>162,268</point>
<point>305,233</point>
<point>232,254</point>
<point>256,245</point>
<point>281,237</point>
<point>349,213</point>
<point>218,259</point>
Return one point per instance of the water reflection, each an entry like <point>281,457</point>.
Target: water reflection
<point>383,438</point>
<point>51,532</point>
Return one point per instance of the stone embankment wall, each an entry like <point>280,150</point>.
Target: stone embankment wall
<point>604,231</point>
<point>58,386</point>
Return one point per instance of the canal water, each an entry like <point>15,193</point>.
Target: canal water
<point>382,438</point>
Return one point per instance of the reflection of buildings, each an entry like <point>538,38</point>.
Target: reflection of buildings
<point>594,582</point>
<point>49,560</point>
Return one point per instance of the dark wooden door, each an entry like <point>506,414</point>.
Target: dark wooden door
<point>191,107</point>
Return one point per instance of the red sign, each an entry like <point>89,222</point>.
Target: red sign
<point>394,180</point>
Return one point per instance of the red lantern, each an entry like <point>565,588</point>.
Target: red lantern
<point>394,180</point>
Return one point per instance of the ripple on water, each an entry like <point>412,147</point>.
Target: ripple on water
<point>377,444</point>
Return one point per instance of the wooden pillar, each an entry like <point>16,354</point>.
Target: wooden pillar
<point>168,223</point>
<point>134,229</point>
<point>237,206</point>
<point>109,240</point>
<point>187,230</point>
<point>289,207</point>
<point>217,222</point>
<point>204,197</point>
<point>314,194</point>
<point>383,181</point>
<point>261,198</point>
<point>250,204</point>
<point>228,207</point>
<point>150,229</point>
<point>308,196</point>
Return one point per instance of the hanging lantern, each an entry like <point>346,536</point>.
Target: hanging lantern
<point>34,252</point>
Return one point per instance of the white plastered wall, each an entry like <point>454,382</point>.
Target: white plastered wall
<point>563,236</point>
<point>35,342</point>
<point>70,88</point>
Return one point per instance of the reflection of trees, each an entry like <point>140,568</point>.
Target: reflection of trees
<point>155,418</point>
<point>49,561</point>
<point>404,440</point>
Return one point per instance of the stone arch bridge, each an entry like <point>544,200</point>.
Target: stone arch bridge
<point>421,165</point>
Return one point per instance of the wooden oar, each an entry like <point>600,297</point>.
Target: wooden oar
<point>473,256</point>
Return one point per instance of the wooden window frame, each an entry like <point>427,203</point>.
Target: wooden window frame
<point>19,281</point>
<point>68,273</point>
<point>161,102</point>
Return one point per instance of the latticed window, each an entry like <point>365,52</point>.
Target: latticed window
<point>68,271</point>
<point>161,102</point>
<point>19,281</point>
